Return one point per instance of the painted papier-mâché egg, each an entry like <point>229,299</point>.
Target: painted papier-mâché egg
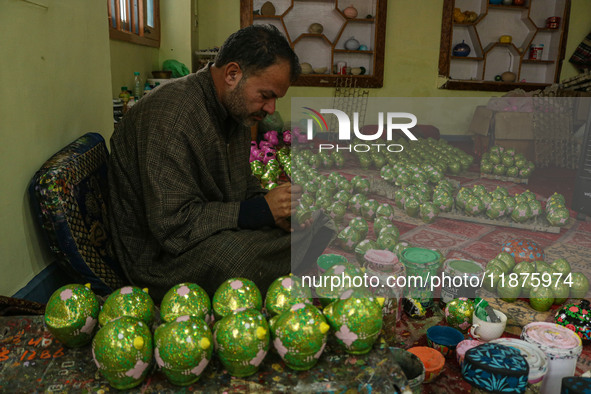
<point>284,292</point>
<point>356,319</point>
<point>185,299</point>
<point>122,350</point>
<point>234,294</point>
<point>299,336</point>
<point>183,348</point>
<point>72,314</point>
<point>128,301</point>
<point>458,313</point>
<point>242,341</point>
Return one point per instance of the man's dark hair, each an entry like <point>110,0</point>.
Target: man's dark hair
<point>257,47</point>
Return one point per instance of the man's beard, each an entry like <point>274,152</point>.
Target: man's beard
<point>236,105</point>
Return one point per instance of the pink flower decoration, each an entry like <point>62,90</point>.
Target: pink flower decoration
<point>287,283</point>
<point>573,309</point>
<point>319,353</point>
<point>137,371</point>
<point>159,359</point>
<point>126,290</point>
<point>339,269</point>
<point>182,318</point>
<point>200,367</point>
<point>66,294</point>
<point>298,306</point>
<point>237,284</point>
<point>346,294</point>
<point>89,325</point>
<point>98,365</point>
<point>258,358</point>
<point>346,335</point>
<point>182,291</point>
<point>281,349</point>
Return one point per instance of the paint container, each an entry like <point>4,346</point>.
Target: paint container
<point>535,51</point>
<point>562,348</point>
<point>536,359</point>
<point>325,261</point>
<point>412,366</point>
<point>422,265</point>
<point>553,22</point>
<point>464,278</point>
<point>341,68</point>
<point>384,265</point>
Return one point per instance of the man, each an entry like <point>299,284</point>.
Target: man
<point>184,206</point>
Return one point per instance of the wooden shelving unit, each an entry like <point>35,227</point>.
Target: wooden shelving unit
<point>325,50</point>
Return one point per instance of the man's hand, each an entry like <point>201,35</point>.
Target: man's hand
<point>283,201</point>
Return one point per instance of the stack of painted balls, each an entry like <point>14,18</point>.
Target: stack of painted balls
<point>520,271</point>
<point>506,162</point>
<point>420,199</point>
<point>267,161</point>
<point>557,213</point>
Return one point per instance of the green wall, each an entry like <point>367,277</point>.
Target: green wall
<point>56,85</point>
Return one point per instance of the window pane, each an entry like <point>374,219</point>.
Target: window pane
<point>113,13</point>
<point>150,12</point>
<point>123,10</point>
<point>135,17</point>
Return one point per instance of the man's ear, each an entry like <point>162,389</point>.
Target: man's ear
<point>233,74</point>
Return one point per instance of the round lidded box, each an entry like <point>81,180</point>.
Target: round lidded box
<point>495,368</point>
<point>562,347</point>
<point>465,269</point>
<point>536,359</point>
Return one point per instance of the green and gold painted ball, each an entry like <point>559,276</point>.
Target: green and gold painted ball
<point>284,292</point>
<point>242,341</point>
<point>299,336</point>
<point>458,313</point>
<point>234,294</point>
<point>183,348</point>
<point>185,299</point>
<point>122,351</point>
<point>356,319</point>
<point>128,301</point>
<point>71,315</point>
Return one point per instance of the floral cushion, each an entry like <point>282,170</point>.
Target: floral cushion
<point>68,194</point>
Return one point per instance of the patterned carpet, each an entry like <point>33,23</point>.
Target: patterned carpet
<point>482,242</point>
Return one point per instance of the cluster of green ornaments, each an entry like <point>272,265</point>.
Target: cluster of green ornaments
<point>506,162</point>
<point>192,328</point>
<point>268,174</point>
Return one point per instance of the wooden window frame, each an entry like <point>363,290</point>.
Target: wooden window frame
<point>148,36</point>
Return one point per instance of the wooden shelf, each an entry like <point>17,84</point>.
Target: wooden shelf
<point>490,57</point>
<point>327,49</point>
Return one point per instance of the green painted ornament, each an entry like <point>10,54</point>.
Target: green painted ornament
<point>356,319</point>
<point>338,159</point>
<point>521,213</point>
<point>185,299</point>
<point>257,168</point>
<point>285,292</point>
<point>182,349</point>
<point>496,209</point>
<point>71,315</point>
<point>359,224</point>
<point>343,197</point>
<point>387,241</point>
<point>242,341</point>
<point>337,211</point>
<point>361,185</point>
<point>558,216</point>
<point>369,209</point>
<point>128,301</point>
<point>299,336</point>
<point>362,247</point>
<point>122,351</point>
<point>235,294</point>
<point>380,223</point>
<point>412,206</point>
<point>458,313</point>
<point>428,212</point>
<point>349,238</point>
<point>385,210</point>
<point>346,273</point>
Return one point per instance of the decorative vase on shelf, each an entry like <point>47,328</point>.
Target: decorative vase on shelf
<point>461,49</point>
<point>350,12</point>
<point>352,44</point>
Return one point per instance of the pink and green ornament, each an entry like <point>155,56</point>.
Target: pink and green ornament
<point>458,313</point>
<point>234,294</point>
<point>242,341</point>
<point>183,348</point>
<point>299,336</point>
<point>72,314</point>
<point>284,292</point>
<point>356,319</point>
<point>128,301</point>
<point>122,351</point>
<point>185,299</point>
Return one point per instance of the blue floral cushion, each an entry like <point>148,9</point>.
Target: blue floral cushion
<point>68,194</point>
<point>496,368</point>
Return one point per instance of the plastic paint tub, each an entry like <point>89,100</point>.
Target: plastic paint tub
<point>536,359</point>
<point>423,263</point>
<point>325,261</point>
<point>412,366</point>
<point>562,348</point>
<point>460,282</point>
<point>384,265</point>
<point>431,359</point>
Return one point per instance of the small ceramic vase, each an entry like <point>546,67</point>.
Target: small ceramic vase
<point>315,28</point>
<point>352,44</point>
<point>234,294</point>
<point>183,348</point>
<point>356,319</point>
<point>350,12</point>
<point>122,351</point>
<point>299,336</point>
<point>461,49</point>
<point>71,315</point>
<point>128,301</point>
<point>242,341</point>
<point>268,9</point>
<point>185,299</point>
<point>285,292</point>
